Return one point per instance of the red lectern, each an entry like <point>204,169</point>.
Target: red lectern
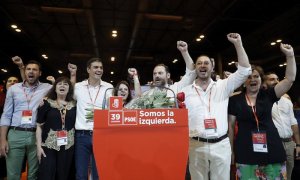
<point>144,144</point>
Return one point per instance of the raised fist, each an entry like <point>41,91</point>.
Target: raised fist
<point>51,79</point>
<point>234,38</point>
<point>72,68</point>
<point>132,72</point>
<point>18,61</point>
<point>287,49</point>
<point>182,46</point>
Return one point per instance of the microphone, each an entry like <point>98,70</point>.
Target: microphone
<point>104,99</point>
<point>164,87</point>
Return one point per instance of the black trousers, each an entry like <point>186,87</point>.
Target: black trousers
<point>57,164</point>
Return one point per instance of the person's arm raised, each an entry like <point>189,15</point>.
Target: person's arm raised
<point>236,40</point>
<point>73,70</point>
<point>137,87</point>
<point>290,72</point>
<point>183,48</point>
<point>19,62</point>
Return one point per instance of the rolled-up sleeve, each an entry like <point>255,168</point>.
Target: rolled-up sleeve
<point>187,79</point>
<point>236,79</point>
<point>8,109</point>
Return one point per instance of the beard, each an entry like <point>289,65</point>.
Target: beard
<point>159,82</point>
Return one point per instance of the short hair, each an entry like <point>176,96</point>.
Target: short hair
<point>90,61</point>
<point>165,66</point>
<point>52,94</point>
<point>270,72</point>
<point>259,69</point>
<point>267,74</point>
<point>129,92</point>
<point>211,59</point>
<point>34,62</point>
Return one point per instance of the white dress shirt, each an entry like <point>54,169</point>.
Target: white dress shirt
<point>88,96</point>
<point>214,98</point>
<point>283,117</point>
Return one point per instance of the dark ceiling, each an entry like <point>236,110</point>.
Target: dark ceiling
<point>76,30</point>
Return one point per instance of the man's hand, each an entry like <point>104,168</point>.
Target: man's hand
<point>72,68</point>
<point>51,79</point>
<point>234,38</point>
<point>182,46</point>
<point>132,72</point>
<point>3,148</point>
<point>18,61</point>
<point>287,49</point>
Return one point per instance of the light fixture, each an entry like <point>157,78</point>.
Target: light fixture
<point>230,63</point>
<point>14,26</point>
<point>201,36</point>
<point>44,56</point>
<point>111,72</point>
<point>280,65</point>
<point>112,58</point>
<point>273,43</point>
<point>175,60</point>
<point>4,70</point>
<point>114,33</point>
<point>278,40</point>
<point>18,30</point>
<point>60,71</point>
<point>111,81</point>
<point>198,39</point>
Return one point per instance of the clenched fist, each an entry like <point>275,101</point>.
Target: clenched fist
<point>18,61</point>
<point>287,49</point>
<point>182,46</point>
<point>234,38</point>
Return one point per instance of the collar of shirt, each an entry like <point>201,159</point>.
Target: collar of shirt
<point>194,85</point>
<point>32,87</point>
<point>86,83</point>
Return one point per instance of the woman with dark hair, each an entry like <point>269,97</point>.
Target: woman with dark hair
<point>259,153</point>
<point>123,88</point>
<point>55,131</point>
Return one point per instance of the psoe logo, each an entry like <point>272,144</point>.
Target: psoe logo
<point>115,103</point>
<point>130,118</point>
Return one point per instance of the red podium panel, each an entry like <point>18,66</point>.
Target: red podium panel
<point>145,144</point>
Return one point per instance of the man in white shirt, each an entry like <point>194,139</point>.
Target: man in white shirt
<point>207,102</point>
<point>89,95</point>
<point>285,122</point>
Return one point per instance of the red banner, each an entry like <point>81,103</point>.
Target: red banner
<point>144,144</point>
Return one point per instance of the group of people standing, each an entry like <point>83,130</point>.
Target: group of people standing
<point>257,149</point>
<point>53,124</point>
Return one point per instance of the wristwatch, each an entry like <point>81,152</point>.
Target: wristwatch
<point>297,145</point>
